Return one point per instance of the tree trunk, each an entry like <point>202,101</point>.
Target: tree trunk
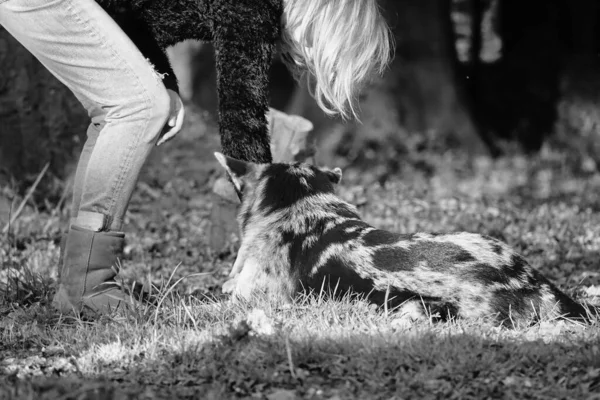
<point>424,78</point>
<point>578,116</point>
<point>40,119</point>
<point>517,95</point>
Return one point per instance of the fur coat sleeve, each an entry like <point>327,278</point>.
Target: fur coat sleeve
<point>243,33</point>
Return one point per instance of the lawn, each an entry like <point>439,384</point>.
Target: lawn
<point>196,344</point>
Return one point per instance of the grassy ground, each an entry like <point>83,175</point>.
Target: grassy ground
<point>196,344</point>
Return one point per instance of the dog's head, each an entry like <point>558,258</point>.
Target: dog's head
<point>276,186</point>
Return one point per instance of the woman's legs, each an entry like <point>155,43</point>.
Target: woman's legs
<point>128,106</point>
<point>126,100</point>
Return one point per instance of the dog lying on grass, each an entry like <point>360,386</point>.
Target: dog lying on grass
<point>297,236</point>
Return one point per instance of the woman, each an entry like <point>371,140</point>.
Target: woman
<point>111,55</point>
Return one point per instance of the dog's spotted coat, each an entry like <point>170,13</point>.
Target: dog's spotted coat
<point>297,235</point>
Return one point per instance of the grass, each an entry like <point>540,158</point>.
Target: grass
<point>314,350</point>
<point>197,344</point>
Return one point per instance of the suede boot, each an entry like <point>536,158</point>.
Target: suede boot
<point>89,268</point>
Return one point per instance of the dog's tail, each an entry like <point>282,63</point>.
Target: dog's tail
<point>575,310</point>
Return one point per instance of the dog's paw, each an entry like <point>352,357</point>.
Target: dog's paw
<point>229,286</point>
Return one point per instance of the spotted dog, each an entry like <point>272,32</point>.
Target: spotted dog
<point>298,236</point>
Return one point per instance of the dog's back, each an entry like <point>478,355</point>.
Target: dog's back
<point>298,236</point>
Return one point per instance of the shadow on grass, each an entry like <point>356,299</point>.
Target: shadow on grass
<point>418,362</point>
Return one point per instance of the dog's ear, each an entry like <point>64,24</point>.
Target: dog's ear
<point>334,175</point>
<point>237,170</point>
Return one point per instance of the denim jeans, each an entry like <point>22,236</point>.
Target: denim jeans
<point>125,98</point>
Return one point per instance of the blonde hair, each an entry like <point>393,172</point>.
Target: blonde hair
<point>336,45</point>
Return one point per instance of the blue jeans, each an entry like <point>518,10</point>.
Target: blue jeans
<point>128,104</point>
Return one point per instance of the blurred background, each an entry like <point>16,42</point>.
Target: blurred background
<point>482,76</point>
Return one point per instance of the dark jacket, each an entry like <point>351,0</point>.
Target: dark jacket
<point>243,33</point>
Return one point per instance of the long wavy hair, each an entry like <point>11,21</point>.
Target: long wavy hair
<point>336,46</point>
